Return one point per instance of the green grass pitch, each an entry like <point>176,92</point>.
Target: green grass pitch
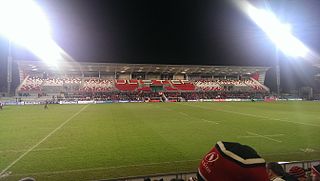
<point>89,142</point>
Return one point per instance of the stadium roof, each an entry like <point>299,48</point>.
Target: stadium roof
<point>32,66</point>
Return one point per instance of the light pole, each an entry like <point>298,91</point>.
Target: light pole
<point>277,71</point>
<point>9,68</point>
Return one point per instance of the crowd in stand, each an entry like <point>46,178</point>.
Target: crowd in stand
<point>97,85</point>
<point>163,97</point>
<point>31,84</point>
<point>140,90</point>
<point>36,84</point>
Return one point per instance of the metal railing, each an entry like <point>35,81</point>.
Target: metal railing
<point>186,175</point>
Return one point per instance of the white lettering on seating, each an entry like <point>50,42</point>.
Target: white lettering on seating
<point>147,82</point>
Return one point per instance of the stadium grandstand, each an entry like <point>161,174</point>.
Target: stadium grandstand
<point>103,128</point>
<point>139,82</point>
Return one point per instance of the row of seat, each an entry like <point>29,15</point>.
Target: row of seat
<point>103,85</point>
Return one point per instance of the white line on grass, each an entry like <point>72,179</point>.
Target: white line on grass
<point>254,115</point>
<point>43,139</point>
<point>262,136</point>
<point>184,114</point>
<point>104,168</point>
<point>307,150</point>
<point>39,149</point>
<point>287,153</point>
<point>205,120</point>
<point>164,108</point>
<point>187,115</point>
<point>138,165</point>
<point>252,136</point>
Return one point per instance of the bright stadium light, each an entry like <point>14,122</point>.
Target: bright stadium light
<point>24,23</point>
<point>279,33</point>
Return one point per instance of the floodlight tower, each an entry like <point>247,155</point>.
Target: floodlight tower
<point>277,71</point>
<point>9,68</point>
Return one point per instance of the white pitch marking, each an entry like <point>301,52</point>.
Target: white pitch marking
<point>103,168</point>
<point>205,120</point>
<point>184,114</point>
<point>266,137</point>
<point>256,116</point>
<point>254,136</point>
<point>272,135</point>
<point>285,153</point>
<point>40,149</point>
<point>41,141</point>
<point>167,109</point>
<point>307,150</point>
<point>6,174</point>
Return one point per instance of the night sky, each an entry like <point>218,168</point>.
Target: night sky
<point>212,32</point>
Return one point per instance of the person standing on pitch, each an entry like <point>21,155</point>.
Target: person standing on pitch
<point>46,105</point>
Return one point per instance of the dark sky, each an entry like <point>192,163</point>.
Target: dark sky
<point>171,31</point>
<point>163,31</point>
<point>210,32</point>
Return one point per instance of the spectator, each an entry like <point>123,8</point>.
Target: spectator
<point>298,173</point>
<point>229,161</point>
<point>315,173</point>
<point>275,171</point>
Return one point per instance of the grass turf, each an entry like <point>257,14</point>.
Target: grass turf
<point>88,142</point>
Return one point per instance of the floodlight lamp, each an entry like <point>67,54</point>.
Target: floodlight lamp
<point>24,23</point>
<point>278,32</point>
<point>22,19</point>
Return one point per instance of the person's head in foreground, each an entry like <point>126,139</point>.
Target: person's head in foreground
<point>229,161</point>
<point>298,173</point>
<point>275,171</point>
<point>315,173</point>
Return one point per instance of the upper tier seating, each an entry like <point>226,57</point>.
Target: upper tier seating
<point>144,85</point>
<point>101,85</point>
<point>124,85</point>
<point>208,85</point>
<point>183,85</point>
<point>53,82</point>
<point>254,85</point>
<point>97,85</point>
<point>31,84</point>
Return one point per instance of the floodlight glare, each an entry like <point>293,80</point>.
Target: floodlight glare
<point>24,23</point>
<point>279,33</point>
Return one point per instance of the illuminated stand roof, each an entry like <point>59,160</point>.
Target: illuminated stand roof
<point>32,67</point>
